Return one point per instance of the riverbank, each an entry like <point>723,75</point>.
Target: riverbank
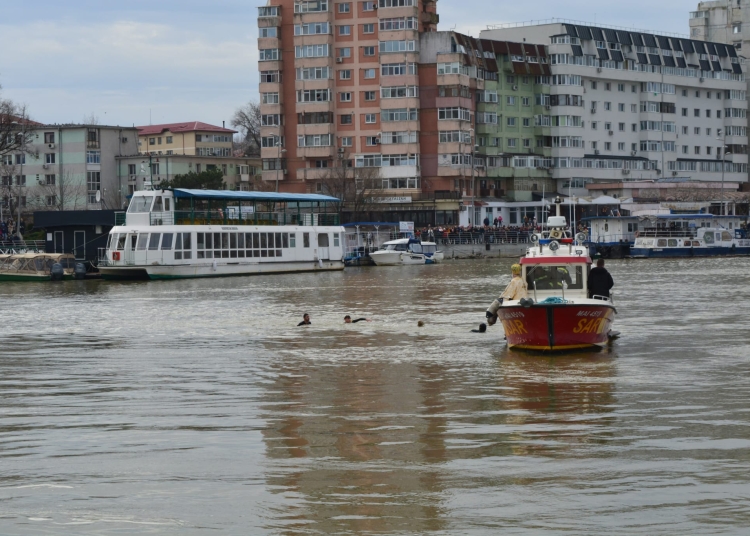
<point>479,251</point>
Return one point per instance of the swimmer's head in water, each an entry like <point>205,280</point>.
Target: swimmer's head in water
<point>347,319</point>
<point>482,327</point>
<point>420,324</point>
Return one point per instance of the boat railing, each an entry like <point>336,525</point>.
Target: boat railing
<point>666,233</point>
<point>611,238</point>
<point>14,247</point>
<point>478,236</point>
<point>234,217</point>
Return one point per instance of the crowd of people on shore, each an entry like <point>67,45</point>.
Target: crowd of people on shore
<point>8,232</point>
<point>494,231</point>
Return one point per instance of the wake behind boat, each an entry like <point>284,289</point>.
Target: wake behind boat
<point>560,316</point>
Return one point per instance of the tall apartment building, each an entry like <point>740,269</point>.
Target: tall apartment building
<point>626,105</point>
<point>339,82</point>
<point>68,167</point>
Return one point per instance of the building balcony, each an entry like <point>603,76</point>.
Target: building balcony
<point>93,144</point>
<point>301,85</point>
<point>269,42</point>
<point>274,175</point>
<point>313,107</point>
<point>314,174</point>
<point>274,65</point>
<point>316,152</point>
<point>395,172</point>
<point>320,128</point>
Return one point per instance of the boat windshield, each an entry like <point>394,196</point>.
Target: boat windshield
<point>395,247</point>
<point>552,277</point>
<point>429,249</point>
<point>140,204</point>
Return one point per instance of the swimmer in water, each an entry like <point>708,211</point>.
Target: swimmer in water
<point>482,328</point>
<point>348,320</point>
<point>305,320</point>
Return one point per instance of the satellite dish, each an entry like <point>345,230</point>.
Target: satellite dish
<point>98,196</point>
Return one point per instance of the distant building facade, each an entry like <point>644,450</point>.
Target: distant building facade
<point>68,167</point>
<point>190,138</point>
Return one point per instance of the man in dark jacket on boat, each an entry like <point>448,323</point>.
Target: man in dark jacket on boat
<point>600,281</point>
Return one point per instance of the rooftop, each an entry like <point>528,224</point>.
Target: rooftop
<point>192,126</point>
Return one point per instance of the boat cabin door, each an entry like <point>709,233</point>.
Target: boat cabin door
<point>323,245</point>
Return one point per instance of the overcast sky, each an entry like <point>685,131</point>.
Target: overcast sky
<point>163,61</point>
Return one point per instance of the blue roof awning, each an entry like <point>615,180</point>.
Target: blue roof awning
<point>231,195</point>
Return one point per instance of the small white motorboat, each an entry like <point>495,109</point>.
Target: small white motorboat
<point>407,251</point>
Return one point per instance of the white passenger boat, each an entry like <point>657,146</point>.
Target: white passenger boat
<point>702,242</point>
<point>407,251</point>
<point>182,233</point>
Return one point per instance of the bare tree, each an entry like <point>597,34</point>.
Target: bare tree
<point>12,192</point>
<point>91,119</point>
<point>247,120</point>
<point>16,129</point>
<point>357,188</point>
<point>59,192</point>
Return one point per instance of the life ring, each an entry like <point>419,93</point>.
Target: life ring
<point>115,255</point>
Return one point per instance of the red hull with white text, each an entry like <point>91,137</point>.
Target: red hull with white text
<point>564,326</point>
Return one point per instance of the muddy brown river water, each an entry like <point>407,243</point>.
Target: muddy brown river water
<point>198,407</point>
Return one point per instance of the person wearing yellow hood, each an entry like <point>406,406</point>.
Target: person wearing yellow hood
<point>516,290</point>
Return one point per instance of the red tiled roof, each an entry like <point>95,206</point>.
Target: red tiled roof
<point>192,126</point>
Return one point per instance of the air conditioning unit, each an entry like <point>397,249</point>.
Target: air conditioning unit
<point>50,145</point>
<point>285,171</point>
<point>626,172</point>
<point>132,177</point>
<point>45,166</point>
<point>339,60</point>
<point>701,79</point>
<point>674,173</point>
<point>124,140</point>
<point>633,153</point>
<point>611,133</point>
<point>547,107</point>
<point>341,150</point>
<point>593,110</point>
<point>658,172</point>
<point>515,88</point>
<point>596,151</point>
<point>598,69</point>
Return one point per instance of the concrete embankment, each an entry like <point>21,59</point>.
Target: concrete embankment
<point>478,251</point>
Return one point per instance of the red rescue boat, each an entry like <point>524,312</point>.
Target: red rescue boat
<point>558,313</point>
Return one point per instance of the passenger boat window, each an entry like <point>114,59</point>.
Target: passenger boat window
<point>158,205</point>
<point>178,246</point>
<point>140,204</point>
<point>166,204</point>
<point>672,242</point>
<point>323,240</point>
<point>661,243</point>
<point>696,242</point>
<point>553,277</point>
<point>336,240</point>
<point>416,248</point>
<point>121,242</point>
<point>153,242</point>
<point>429,249</point>
<point>285,240</point>
<point>166,241</point>
<point>606,227</point>
<point>687,243</point>
<point>142,241</point>
<point>133,239</point>
<point>725,235</point>
<point>293,240</point>
<point>263,241</point>
<point>306,240</point>
<point>187,245</point>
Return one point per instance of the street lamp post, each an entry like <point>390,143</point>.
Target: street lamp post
<point>278,161</point>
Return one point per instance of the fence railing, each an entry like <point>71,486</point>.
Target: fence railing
<point>14,247</point>
<point>489,236</point>
<point>235,217</point>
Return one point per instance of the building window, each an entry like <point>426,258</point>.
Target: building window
<point>93,157</point>
<point>369,74</point>
<point>368,6</point>
<point>370,118</point>
<point>369,95</point>
<point>345,52</point>
<point>368,28</point>
<point>345,8</point>
<point>49,137</point>
<point>346,119</point>
<point>345,74</point>
<point>737,28</point>
<point>49,158</point>
<point>345,96</point>
<point>169,138</point>
<point>345,30</point>
<point>346,141</point>
<point>368,51</point>
<point>93,181</point>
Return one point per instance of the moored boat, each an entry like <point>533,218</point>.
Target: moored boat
<point>183,233</point>
<point>558,315</point>
<point>407,251</point>
<point>35,266</point>
<point>702,242</point>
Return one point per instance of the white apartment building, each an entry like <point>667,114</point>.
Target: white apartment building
<point>629,105</point>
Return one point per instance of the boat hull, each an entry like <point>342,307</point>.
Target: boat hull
<point>188,271</point>
<point>395,258</point>
<point>655,253</point>
<point>557,327</point>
